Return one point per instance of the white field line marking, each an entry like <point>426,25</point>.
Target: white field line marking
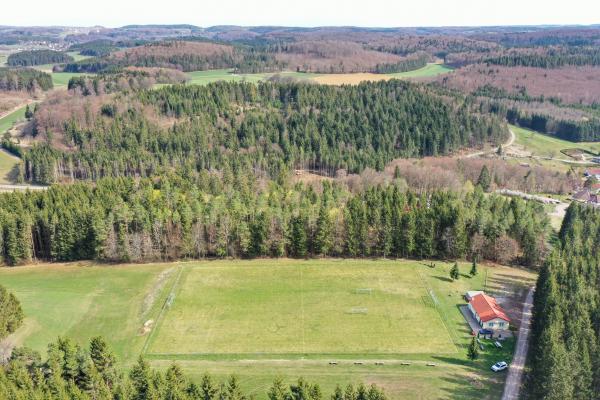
<point>162,310</point>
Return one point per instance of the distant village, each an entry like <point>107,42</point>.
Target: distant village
<point>591,190</point>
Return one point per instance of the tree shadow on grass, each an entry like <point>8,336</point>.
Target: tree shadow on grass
<point>443,278</point>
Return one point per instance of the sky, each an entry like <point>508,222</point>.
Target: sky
<point>368,13</point>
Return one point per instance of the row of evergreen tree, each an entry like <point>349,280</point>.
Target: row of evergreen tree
<point>583,130</point>
<point>268,127</point>
<point>565,345</point>
<point>30,58</point>
<point>410,64</point>
<point>550,57</point>
<point>73,372</point>
<point>24,79</point>
<point>228,214</point>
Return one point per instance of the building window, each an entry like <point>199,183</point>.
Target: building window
<point>501,324</point>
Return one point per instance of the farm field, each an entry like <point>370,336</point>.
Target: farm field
<point>206,77</point>
<point>265,318</point>
<point>354,79</point>
<point>9,120</point>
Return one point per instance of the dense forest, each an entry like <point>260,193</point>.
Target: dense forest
<point>409,64</point>
<point>95,48</point>
<point>24,79</point>
<point>551,57</point>
<point>74,372</point>
<point>269,127</point>
<point>233,214</point>
<point>38,57</point>
<point>565,349</point>
<point>183,56</point>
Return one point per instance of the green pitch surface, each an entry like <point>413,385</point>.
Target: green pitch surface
<point>301,308</point>
<point>263,319</point>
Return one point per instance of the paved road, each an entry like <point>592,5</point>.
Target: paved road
<point>512,388</point>
<point>12,188</point>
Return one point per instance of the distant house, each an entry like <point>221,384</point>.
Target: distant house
<point>595,172</point>
<point>582,196</point>
<point>488,313</point>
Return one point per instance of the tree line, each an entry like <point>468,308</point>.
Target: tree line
<point>565,342</point>
<point>270,127</point>
<point>24,79</point>
<point>38,57</point>
<point>70,371</point>
<point>410,64</point>
<point>553,57</point>
<point>235,215</point>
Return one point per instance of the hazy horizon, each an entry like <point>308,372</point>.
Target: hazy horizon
<point>309,13</point>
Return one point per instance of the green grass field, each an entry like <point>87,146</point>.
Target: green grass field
<point>428,71</point>
<point>547,146</point>
<point>206,77</point>
<point>61,79</point>
<point>9,120</point>
<point>266,318</point>
<point>8,161</point>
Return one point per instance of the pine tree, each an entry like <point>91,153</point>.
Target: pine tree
<point>473,268</point>
<point>473,350</point>
<point>323,239</point>
<point>455,272</point>
<point>277,391</point>
<point>485,179</point>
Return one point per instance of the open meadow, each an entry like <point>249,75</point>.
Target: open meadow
<point>206,77</point>
<point>539,144</point>
<point>266,318</point>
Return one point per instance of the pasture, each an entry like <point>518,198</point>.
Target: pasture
<point>539,144</point>
<point>261,319</point>
<point>61,79</point>
<point>206,77</point>
<point>429,70</point>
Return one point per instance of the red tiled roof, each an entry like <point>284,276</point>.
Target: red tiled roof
<point>594,171</point>
<point>487,308</point>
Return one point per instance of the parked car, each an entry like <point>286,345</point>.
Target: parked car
<point>498,344</point>
<point>499,366</point>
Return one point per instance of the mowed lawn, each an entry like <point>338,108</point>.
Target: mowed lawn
<point>263,319</point>
<point>302,307</point>
<point>85,301</point>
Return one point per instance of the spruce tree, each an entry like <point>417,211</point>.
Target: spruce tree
<point>455,272</point>
<point>473,350</point>
<point>473,268</point>
<point>485,179</point>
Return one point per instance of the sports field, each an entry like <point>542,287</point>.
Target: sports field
<point>302,308</point>
<point>266,318</point>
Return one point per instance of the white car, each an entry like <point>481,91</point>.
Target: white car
<point>499,366</point>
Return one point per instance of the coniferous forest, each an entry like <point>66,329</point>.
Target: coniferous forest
<point>271,127</point>
<point>73,372</point>
<point>564,353</point>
